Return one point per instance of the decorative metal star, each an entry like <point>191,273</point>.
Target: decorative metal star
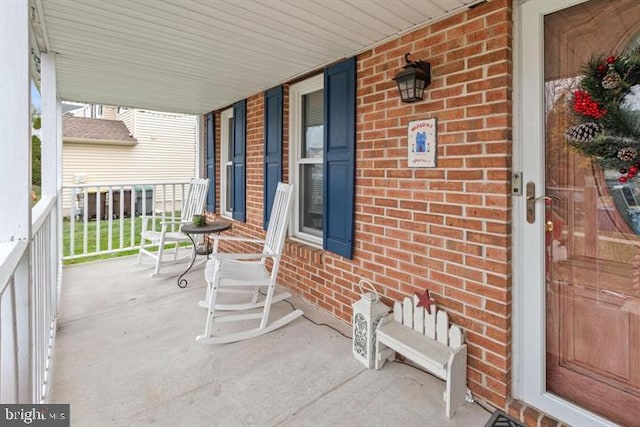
<point>425,300</point>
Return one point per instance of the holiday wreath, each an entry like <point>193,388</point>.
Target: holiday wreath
<point>607,103</point>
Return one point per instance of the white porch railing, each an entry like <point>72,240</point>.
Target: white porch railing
<point>104,218</point>
<point>28,307</point>
<point>14,323</point>
<point>46,274</point>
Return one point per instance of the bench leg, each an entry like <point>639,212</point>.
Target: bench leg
<point>456,385</point>
<point>382,354</point>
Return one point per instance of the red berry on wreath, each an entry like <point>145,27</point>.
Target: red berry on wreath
<point>631,175</point>
<point>602,68</point>
<point>633,169</point>
<point>611,59</point>
<point>622,179</point>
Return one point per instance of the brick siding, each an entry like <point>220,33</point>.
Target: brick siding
<point>446,228</point>
<point>530,416</point>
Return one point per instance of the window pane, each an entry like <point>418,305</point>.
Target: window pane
<point>311,199</point>
<point>312,125</point>
<point>230,140</point>
<point>229,189</point>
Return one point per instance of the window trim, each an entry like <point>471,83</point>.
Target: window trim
<point>208,128</point>
<point>296,91</point>
<point>224,155</point>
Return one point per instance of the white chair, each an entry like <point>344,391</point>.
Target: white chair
<point>193,205</point>
<point>246,274</point>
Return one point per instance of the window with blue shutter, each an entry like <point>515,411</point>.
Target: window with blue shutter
<point>339,157</point>
<point>210,126</point>
<point>239,160</point>
<point>272,148</point>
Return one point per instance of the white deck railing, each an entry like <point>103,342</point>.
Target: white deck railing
<point>104,218</point>
<point>28,307</point>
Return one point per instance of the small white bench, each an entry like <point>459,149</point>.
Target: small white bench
<point>427,340</point>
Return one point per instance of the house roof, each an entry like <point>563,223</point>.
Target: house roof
<point>194,56</point>
<point>83,129</point>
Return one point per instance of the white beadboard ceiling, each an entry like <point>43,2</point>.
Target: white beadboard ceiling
<point>194,56</point>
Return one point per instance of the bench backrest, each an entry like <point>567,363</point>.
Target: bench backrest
<point>434,325</point>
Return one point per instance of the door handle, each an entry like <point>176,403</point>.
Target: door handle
<point>531,202</point>
<point>532,199</point>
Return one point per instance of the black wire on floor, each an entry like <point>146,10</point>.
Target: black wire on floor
<point>316,323</point>
<point>312,321</point>
<point>487,408</point>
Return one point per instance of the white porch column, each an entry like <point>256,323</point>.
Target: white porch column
<point>59,189</point>
<point>51,163</point>
<point>15,173</point>
<point>59,145</point>
<point>49,129</point>
<point>15,121</point>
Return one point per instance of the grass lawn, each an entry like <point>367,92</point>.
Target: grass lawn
<point>92,240</point>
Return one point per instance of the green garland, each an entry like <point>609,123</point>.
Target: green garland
<point>608,128</point>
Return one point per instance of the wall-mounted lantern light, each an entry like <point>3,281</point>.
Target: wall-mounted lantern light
<point>413,79</point>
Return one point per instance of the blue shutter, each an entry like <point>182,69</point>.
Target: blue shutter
<point>210,126</point>
<point>339,157</point>
<point>239,160</point>
<point>272,148</point>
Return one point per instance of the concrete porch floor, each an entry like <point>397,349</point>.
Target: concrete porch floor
<point>126,355</point>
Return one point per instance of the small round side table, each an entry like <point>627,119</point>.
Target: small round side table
<point>190,230</point>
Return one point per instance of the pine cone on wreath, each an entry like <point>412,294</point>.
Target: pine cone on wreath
<point>583,132</point>
<point>627,154</point>
<point>611,80</point>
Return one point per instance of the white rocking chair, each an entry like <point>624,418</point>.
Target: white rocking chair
<point>193,205</point>
<point>246,273</point>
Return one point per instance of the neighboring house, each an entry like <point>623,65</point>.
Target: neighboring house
<point>140,147</point>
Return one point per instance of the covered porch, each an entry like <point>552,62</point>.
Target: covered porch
<point>120,346</point>
<point>125,354</point>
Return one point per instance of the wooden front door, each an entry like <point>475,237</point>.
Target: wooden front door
<point>591,245</point>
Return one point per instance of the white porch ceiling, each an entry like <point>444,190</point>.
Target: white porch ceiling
<point>194,56</point>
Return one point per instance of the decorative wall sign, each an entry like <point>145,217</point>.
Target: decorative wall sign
<point>421,135</point>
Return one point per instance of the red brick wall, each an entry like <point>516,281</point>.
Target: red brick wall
<point>255,160</point>
<point>530,416</point>
<point>447,228</point>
